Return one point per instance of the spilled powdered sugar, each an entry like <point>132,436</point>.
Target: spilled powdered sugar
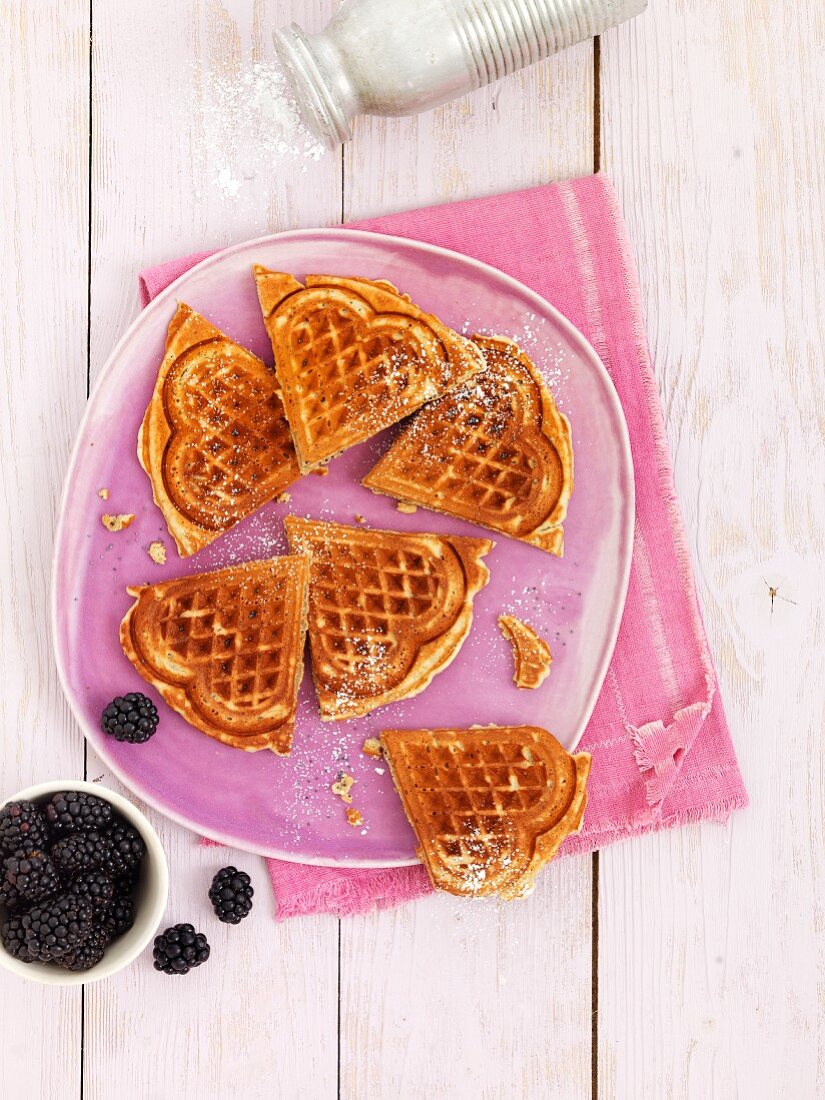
<point>249,126</point>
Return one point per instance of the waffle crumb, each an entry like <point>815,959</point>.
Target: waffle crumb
<point>531,654</point>
<point>371,747</point>
<point>407,509</point>
<point>359,519</point>
<point>118,522</point>
<point>342,786</point>
<point>320,471</point>
<point>103,493</point>
<point>157,552</point>
<point>354,817</point>
<point>284,498</point>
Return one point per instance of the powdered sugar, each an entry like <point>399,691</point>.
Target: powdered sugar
<point>225,183</point>
<point>249,123</point>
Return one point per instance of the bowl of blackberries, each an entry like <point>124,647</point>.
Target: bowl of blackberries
<point>83,882</point>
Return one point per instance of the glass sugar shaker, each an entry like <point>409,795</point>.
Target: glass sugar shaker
<point>399,57</point>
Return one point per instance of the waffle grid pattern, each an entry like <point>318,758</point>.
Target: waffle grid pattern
<point>243,455</point>
<point>241,664</point>
<point>489,473</point>
<point>362,372</point>
<point>468,803</point>
<point>470,453</point>
<point>231,641</point>
<point>360,600</point>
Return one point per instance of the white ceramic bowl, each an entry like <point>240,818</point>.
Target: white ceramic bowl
<point>150,896</point>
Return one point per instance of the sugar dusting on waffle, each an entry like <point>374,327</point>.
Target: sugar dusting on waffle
<point>550,354</point>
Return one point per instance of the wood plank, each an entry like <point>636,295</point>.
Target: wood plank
<point>263,1011</point>
<point>443,998</point>
<point>43,271</point>
<point>259,1018</point>
<point>711,961</point>
<point>535,126</point>
<point>158,159</point>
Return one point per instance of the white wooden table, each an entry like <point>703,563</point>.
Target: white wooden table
<point>687,964</point>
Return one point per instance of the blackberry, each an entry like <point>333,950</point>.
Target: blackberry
<point>88,954</point>
<point>28,877</point>
<point>180,949</point>
<point>125,884</point>
<point>13,938</point>
<point>118,918</point>
<point>132,718</point>
<point>83,852</point>
<point>56,927</point>
<point>231,895</point>
<point>73,811</point>
<point>128,849</point>
<point>22,826</point>
<point>95,888</point>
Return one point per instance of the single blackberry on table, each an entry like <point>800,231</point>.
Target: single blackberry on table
<point>22,825</point>
<point>13,938</point>
<point>94,887</point>
<point>231,895</point>
<point>75,811</point>
<point>128,849</point>
<point>83,852</point>
<point>57,927</point>
<point>179,949</point>
<point>88,954</point>
<point>132,718</point>
<point>118,918</point>
<point>27,877</point>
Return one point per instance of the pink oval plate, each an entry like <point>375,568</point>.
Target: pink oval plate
<point>284,807</point>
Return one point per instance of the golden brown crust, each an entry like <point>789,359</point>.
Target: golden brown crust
<point>531,654</point>
<point>387,610</point>
<point>354,356</point>
<point>226,649</point>
<point>496,452</point>
<point>214,441</point>
<point>490,805</point>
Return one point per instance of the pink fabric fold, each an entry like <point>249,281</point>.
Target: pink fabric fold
<point>662,753</point>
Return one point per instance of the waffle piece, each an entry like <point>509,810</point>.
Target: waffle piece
<point>354,356</point>
<point>226,649</point>
<point>531,654</point>
<point>489,805</point>
<point>496,452</point>
<point>387,611</point>
<point>214,441</point>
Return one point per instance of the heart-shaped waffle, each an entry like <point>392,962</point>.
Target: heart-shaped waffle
<point>489,805</point>
<point>387,610</point>
<point>496,452</point>
<point>214,441</point>
<point>226,649</point>
<point>354,356</point>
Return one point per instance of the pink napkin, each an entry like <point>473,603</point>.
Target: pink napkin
<point>662,753</point>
